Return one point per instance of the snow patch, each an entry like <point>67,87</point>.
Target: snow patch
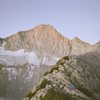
<point>12,53</point>
<point>21,57</point>
<point>12,73</point>
<point>33,59</point>
<point>30,72</point>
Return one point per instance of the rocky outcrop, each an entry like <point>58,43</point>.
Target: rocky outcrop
<point>44,40</point>
<point>26,55</point>
<point>80,47</point>
<point>72,78</point>
<point>17,81</point>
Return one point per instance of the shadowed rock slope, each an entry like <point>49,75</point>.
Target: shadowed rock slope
<point>72,78</point>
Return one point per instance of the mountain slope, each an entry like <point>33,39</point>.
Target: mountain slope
<point>26,55</point>
<point>72,78</point>
<point>43,39</point>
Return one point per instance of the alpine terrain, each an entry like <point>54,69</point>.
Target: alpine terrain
<point>41,64</point>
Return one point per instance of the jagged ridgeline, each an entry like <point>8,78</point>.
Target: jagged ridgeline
<point>45,40</point>
<point>72,78</point>
<point>28,56</point>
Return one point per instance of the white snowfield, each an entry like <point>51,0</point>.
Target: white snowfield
<point>21,57</point>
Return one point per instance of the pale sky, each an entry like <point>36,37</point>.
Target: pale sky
<point>71,18</point>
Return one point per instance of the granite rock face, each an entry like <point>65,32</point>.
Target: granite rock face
<point>45,40</point>
<point>27,55</point>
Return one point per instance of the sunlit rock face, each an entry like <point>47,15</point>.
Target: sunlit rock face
<point>27,55</point>
<point>44,40</point>
<point>72,78</point>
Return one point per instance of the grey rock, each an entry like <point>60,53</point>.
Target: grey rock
<point>76,79</point>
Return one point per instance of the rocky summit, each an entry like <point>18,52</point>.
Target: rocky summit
<point>49,64</point>
<point>45,40</point>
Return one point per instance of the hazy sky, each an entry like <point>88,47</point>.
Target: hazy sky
<point>71,18</point>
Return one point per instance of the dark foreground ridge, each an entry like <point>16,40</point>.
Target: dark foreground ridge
<point>72,78</point>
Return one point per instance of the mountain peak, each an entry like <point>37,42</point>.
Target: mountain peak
<point>46,28</point>
<point>42,39</point>
<point>45,40</point>
<point>78,40</point>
